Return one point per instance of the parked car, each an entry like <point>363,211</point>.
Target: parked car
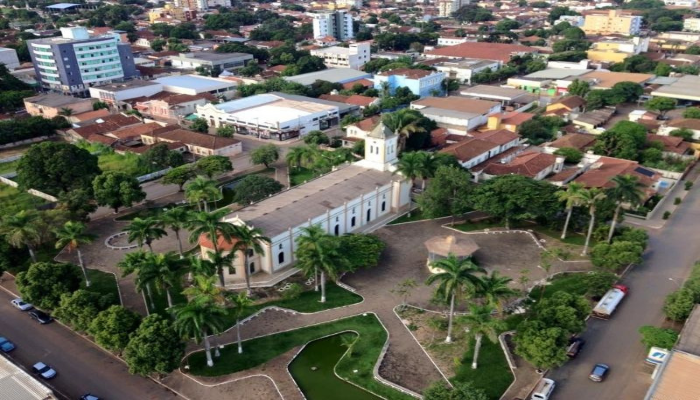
<point>40,316</point>
<point>6,346</point>
<point>20,304</point>
<point>89,397</point>
<point>44,370</point>
<point>575,346</point>
<point>543,390</point>
<point>599,372</point>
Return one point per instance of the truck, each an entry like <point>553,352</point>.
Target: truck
<point>543,390</point>
<point>607,305</point>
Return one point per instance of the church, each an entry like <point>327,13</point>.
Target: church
<point>354,198</point>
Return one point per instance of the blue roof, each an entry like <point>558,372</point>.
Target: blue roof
<point>63,6</point>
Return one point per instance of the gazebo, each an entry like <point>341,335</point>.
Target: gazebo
<point>440,247</point>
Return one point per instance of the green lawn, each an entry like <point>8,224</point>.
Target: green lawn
<point>574,283</point>
<point>492,375</point>
<point>261,350</point>
<point>300,175</point>
<point>13,201</point>
<point>416,215</point>
<point>573,238</point>
<point>127,163</point>
<point>103,283</point>
<point>8,167</point>
<point>161,300</point>
<point>478,225</point>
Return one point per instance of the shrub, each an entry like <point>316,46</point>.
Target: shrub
<point>666,215</point>
<point>688,185</point>
<point>658,337</point>
<point>599,283</point>
<point>293,291</point>
<point>679,304</point>
<point>677,201</point>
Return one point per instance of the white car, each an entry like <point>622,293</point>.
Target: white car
<point>44,370</point>
<point>20,304</point>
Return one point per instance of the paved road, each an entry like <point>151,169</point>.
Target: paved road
<point>672,251</point>
<point>81,366</point>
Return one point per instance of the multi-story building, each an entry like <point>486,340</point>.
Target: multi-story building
<point>421,82</point>
<point>681,3</point>
<point>170,10</point>
<point>75,62</point>
<point>354,56</point>
<point>464,69</point>
<point>614,22</point>
<point>447,7</point>
<point>200,5</point>
<point>573,20</point>
<point>9,58</point>
<point>212,62</point>
<point>691,24</point>
<point>337,24</point>
<point>617,50</point>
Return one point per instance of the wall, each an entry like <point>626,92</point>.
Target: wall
<point>79,106</point>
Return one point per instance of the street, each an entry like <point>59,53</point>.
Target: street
<point>616,342</point>
<point>81,366</point>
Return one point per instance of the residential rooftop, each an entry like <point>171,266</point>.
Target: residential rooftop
<point>459,104</point>
<point>496,92</point>
<point>54,100</point>
<point>606,80</point>
<point>132,84</point>
<point>333,75</point>
<point>685,88</point>
<point>483,51</point>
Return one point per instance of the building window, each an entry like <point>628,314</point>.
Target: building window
<point>280,246</point>
<point>337,230</point>
<point>250,252</point>
<point>280,257</point>
<point>352,222</point>
<point>231,270</point>
<point>369,215</point>
<point>252,267</point>
<point>383,206</point>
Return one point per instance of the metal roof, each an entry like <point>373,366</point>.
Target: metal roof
<point>16,384</point>
<point>63,6</point>
<point>333,75</point>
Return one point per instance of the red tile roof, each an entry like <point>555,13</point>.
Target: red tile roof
<point>482,50</point>
<point>468,149</point>
<point>529,163</point>
<point>363,82</point>
<point>516,118</point>
<point>601,173</point>
<point>577,141</point>
<point>221,243</point>
<point>672,144</point>
<point>368,124</point>
<point>498,136</point>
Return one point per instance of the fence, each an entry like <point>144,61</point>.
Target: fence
<point>23,142</point>
<point>153,175</point>
<point>33,192</point>
<point>10,159</point>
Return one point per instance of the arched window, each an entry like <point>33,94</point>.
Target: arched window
<point>369,215</point>
<point>337,230</point>
<point>383,206</point>
<point>352,222</point>
<point>252,267</point>
<point>280,257</point>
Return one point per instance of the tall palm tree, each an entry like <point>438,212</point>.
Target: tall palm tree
<point>201,190</point>
<point>403,123</point>
<point>205,287</point>
<point>317,250</point>
<point>570,196</point>
<point>310,236</point>
<point>481,323</point>
<point>628,190</point>
<point>299,156</point>
<point>136,262</point>
<point>247,240</point>
<point>428,165</point>
<point>212,226</point>
<point>71,235</point>
<point>458,277</point>
<point>410,165</point>
<point>386,88</point>
<point>145,231</point>
<point>22,229</point>
<point>200,266</point>
<point>199,318</point>
<point>240,303</point>
<point>169,269</point>
<point>590,198</point>
<point>494,288</point>
<point>177,219</point>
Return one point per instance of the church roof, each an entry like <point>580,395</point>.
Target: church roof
<point>381,131</point>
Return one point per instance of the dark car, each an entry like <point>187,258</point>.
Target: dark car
<point>575,346</point>
<point>599,372</point>
<point>40,316</point>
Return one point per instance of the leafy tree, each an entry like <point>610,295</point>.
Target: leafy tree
<point>629,91</point>
<point>662,69</point>
<point>472,13</point>
<point>79,308</point>
<point>179,176</point>
<point>658,337</point>
<point>564,310</point>
<point>540,129</point>
<point>202,191</point>
<point>256,187</point>
<point>599,283</point>
<point>624,140</point>
<point>684,133</point>
<point>56,167</point>
<point>198,319</point>
<point>570,45</point>
<point>265,154</point>
<point>113,326</point>
<point>458,391</point>
<point>159,157</point>
<point>316,138</point>
<point>627,190</point>
<point>541,345</point>
<point>319,251</point>
<point>145,231</point>
<point>661,104</point>
<point>213,165</point>
<point>361,250</point>
<point>200,125</point>
<point>117,189</point>
<point>617,255</point>
<point>225,131</point>
<point>155,347</point>
<point>44,283</point>
<point>481,323</point>
<point>456,278</point>
<point>570,154</point>
<point>634,235</point>
<point>679,304</point>
<point>22,229</point>
<point>79,203</point>
<point>71,235</point>
<point>447,193</point>
<point>579,88</point>
<point>637,63</point>
<point>691,112</point>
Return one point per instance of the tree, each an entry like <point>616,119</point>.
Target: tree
<point>200,125</point>
<point>240,304</point>
<point>202,191</point>
<point>225,131</point>
<point>22,229</point>
<point>617,255</point>
<point>447,194</point>
<point>624,140</point>
<point>44,283</point>
<point>662,69</point>
<point>658,337</point>
<point>167,269</point>
<point>541,345</point>
<point>177,219</point>
<point>254,188</point>
<point>265,154</point>
<point>361,250</point>
<point>145,231</point>
<point>213,165</point>
<point>71,235</point>
<point>56,167</point>
<point>178,176</point>
<point>661,104</point>
<point>79,308</point>
<point>117,189</point>
<point>198,319</point>
<point>679,304</point>
<point>404,289</point>
<point>628,91</point>
<point>599,283</point>
<point>457,277</point>
<point>691,112</point>
<point>563,310</point>
<point>319,251</point>
<point>159,157</point>
<point>579,88</point>
<point>316,138</point>
<point>251,69</point>
<point>627,190</point>
<point>213,227</point>
<point>458,391</point>
<point>137,262</point>
<point>154,347</point>
<point>494,288</point>
<point>572,197</point>
<point>590,198</point>
<point>480,323</point>
<point>204,288</point>
<point>410,165</point>
<point>684,133</point>
<point>113,326</point>
<point>570,154</point>
<point>403,123</point>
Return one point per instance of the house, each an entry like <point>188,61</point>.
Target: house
<point>420,82</point>
<point>199,144</point>
<point>354,56</point>
<point>510,121</point>
<point>170,105</point>
<point>516,99</point>
<point>116,94</point>
<point>50,105</point>
<point>482,51</point>
<point>579,141</point>
<point>101,126</point>
<point>643,115</point>
<point>591,121</point>
<point>532,163</point>
<point>565,107</point>
<point>691,124</point>
<point>456,114</point>
<point>355,99</point>
<point>606,79</point>
<point>673,146</point>
<point>360,130</point>
<point>601,172</point>
<point>617,50</point>
<point>463,70</point>
<point>476,149</point>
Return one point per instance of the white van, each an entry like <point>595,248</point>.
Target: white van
<point>543,389</point>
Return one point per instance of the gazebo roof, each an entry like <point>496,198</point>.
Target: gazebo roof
<point>445,245</point>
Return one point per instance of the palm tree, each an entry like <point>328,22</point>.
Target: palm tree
<point>71,235</point>
<point>212,226</point>
<point>403,123</point>
<point>318,250</point>
<point>570,196</point>
<point>428,165</point>
<point>590,198</point>
<point>205,287</point>
<point>202,191</point>
<point>301,156</point>
<point>138,262</point>
<point>168,268</point>
<point>458,276</point>
<point>177,219</point>
<point>310,236</point>
<point>249,240</point>
<point>628,190</point>
<point>145,231</point>
<point>481,323</point>
<point>240,303</point>
<point>494,288</point>
<point>410,165</point>
<point>386,88</point>
<point>199,318</point>
<point>66,112</point>
<point>199,266</point>
<point>22,229</point>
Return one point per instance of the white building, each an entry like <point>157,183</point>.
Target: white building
<point>463,70</point>
<point>218,3</point>
<point>457,114</point>
<point>681,3</point>
<point>354,56</point>
<point>195,84</point>
<point>447,7</point>
<point>117,93</point>
<point>348,3</point>
<point>691,24</point>
<point>337,24</point>
<point>451,41</point>
<point>353,199</point>
<point>210,61</point>
<point>9,58</point>
<point>573,20</point>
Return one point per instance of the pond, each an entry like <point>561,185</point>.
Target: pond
<point>313,370</point>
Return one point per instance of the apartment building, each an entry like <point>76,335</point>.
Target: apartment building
<point>447,7</point>
<point>617,50</point>
<point>337,24</point>
<point>691,24</point>
<point>614,22</point>
<point>421,82</point>
<point>76,61</point>
<point>354,56</point>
